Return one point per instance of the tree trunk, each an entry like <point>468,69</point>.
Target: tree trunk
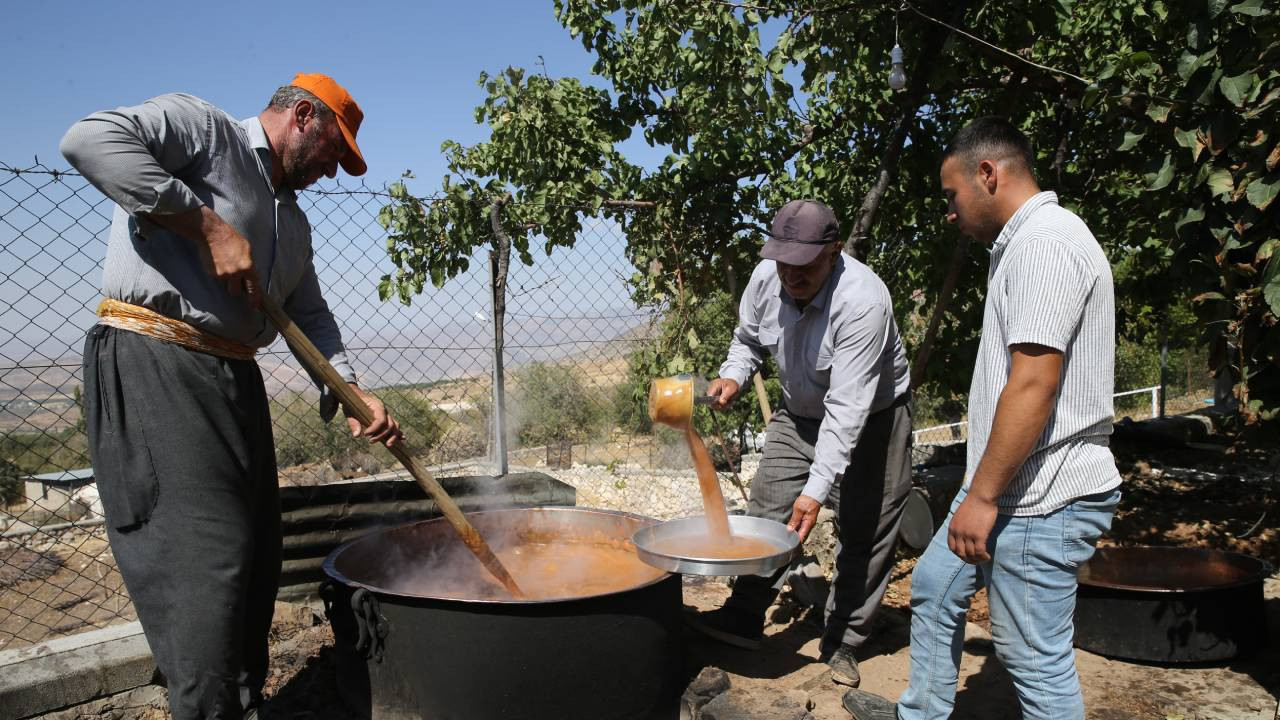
<point>499,260</point>
<point>940,306</point>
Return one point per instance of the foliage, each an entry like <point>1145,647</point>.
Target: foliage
<point>550,404</point>
<point>1206,97</point>
<point>302,437</point>
<point>1153,119</point>
<point>45,451</point>
<point>11,490</point>
<point>679,348</point>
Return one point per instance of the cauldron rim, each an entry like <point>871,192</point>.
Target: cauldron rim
<point>1261,569</point>
<point>332,571</point>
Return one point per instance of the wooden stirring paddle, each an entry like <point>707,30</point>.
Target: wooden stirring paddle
<point>320,367</point>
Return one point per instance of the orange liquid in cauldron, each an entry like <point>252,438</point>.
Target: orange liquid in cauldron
<point>547,567</point>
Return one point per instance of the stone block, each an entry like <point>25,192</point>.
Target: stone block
<point>710,682</point>
<point>758,704</point>
<point>69,671</point>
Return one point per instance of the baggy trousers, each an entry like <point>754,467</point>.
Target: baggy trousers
<point>185,464</point>
<point>868,500</point>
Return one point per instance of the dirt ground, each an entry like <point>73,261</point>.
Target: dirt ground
<point>62,584</point>
<point>1203,497</point>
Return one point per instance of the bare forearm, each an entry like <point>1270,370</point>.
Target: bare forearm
<point>1021,414</point>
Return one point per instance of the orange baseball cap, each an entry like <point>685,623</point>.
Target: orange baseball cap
<point>345,108</point>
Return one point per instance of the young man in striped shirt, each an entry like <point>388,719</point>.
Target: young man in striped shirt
<point>1041,484</point>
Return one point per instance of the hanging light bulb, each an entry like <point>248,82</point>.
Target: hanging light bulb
<point>897,73</point>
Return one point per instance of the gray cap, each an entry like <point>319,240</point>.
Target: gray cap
<point>800,230</point>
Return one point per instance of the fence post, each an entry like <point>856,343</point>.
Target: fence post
<point>499,258</point>
<point>1164,363</point>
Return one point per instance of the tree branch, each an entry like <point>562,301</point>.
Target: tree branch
<point>933,42</point>
<point>633,204</point>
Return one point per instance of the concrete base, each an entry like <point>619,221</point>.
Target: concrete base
<point>69,671</point>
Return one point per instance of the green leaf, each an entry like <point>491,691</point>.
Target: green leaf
<point>1236,88</point>
<point>1189,62</point>
<point>1159,113</point>
<point>1191,140</point>
<point>1220,182</point>
<point>1271,284</point>
<point>1253,8</point>
<point>1162,177</point>
<point>1216,7</point>
<point>1130,139</point>
<point>1190,215</point>
<point>1260,194</point>
<point>1267,250</point>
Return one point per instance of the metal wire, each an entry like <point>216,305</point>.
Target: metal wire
<point>430,362</point>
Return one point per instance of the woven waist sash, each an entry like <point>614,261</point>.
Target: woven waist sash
<point>146,321</point>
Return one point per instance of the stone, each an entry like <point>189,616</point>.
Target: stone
<point>758,704</point>
<point>140,702</point>
<point>809,583</point>
<point>294,615</point>
<point>709,684</point>
<point>68,671</point>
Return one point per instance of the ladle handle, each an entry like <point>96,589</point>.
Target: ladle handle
<point>320,367</point>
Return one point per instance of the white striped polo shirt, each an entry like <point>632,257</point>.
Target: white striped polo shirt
<point>1050,284</point>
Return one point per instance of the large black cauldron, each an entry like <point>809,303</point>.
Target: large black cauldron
<point>405,655</point>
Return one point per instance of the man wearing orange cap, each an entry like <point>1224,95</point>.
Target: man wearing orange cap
<point>206,222</point>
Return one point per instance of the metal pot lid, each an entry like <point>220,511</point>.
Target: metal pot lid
<point>776,534</point>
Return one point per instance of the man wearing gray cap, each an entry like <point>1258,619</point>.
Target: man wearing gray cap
<point>842,435</point>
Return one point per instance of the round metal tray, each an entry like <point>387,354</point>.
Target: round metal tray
<point>776,533</point>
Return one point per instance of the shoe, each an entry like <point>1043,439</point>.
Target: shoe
<point>728,626</point>
<point>844,666</point>
<point>862,705</point>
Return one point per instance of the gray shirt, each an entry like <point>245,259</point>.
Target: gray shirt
<point>1050,284</point>
<point>175,153</point>
<point>839,359</point>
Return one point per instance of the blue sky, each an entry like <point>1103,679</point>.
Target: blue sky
<point>412,66</point>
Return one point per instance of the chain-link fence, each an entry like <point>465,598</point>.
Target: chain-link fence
<point>570,327</point>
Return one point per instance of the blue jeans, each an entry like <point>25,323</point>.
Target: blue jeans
<point>1031,583</point>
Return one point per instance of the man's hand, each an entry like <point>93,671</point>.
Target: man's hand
<point>384,428</point>
<point>224,251</point>
<point>804,515</point>
<point>230,260</point>
<point>970,527</point>
<point>724,391</point>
